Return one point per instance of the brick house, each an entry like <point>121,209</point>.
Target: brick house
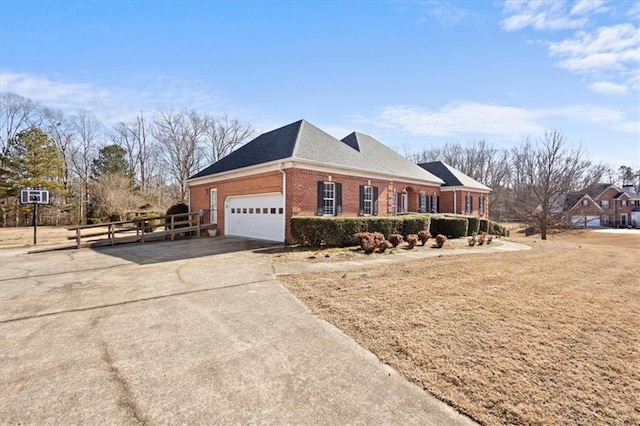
<point>299,170</point>
<point>604,205</point>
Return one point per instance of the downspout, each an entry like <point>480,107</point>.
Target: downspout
<point>284,198</point>
<point>455,202</point>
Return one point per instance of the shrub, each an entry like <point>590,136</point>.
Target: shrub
<point>496,229</point>
<point>384,225</point>
<point>178,209</point>
<point>384,245</point>
<point>414,223</point>
<point>474,225</point>
<point>452,226</point>
<point>440,240</point>
<point>396,239</point>
<point>482,238</point>
<point>152,224</point>
<point>93,220</point>
<point>424,236</point>
<point>412,240</point>
<point>368,243</point>
<point>473,240</point>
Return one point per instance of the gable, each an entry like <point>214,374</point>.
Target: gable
<point>453,177</point>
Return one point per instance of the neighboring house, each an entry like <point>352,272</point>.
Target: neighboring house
<point>299,170</point>
<point>604,205</point>
<point>460,193</point>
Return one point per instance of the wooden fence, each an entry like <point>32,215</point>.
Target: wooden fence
<point>141,229</point>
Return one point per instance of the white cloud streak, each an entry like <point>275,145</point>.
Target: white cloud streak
<point>496,121</point>
<point>539,15</point>
<point>608,88</point>
<point>112,105</point>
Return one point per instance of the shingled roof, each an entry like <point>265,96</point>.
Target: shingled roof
<point>387,158</point>
<point>452,177</point>
<point>305,142</point>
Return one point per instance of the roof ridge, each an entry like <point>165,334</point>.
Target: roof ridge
<point>298,135</point>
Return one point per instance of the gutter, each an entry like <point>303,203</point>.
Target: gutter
<point>284,198</point>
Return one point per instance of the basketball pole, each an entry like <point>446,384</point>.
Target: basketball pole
<point>35,224</point>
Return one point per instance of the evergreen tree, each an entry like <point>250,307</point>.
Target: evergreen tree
<point>112,159</point>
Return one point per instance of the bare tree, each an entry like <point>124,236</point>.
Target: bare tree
<point>16,115</point>
<point>544,172</point>
<point>135,137</point>
<point>180,135</point>
<point>224,135</point>
<point>86,138</point>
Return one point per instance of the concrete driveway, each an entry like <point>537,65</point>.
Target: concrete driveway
<point>184,332</point>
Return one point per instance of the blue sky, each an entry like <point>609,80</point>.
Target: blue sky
<point>412,74</point>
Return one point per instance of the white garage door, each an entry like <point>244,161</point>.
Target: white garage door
<point>586,221</point>
<point>255,216</point>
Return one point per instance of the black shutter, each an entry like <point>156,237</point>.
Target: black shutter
<point>437,203</point>
<point>320,198</point>
<point>470,204</point>
<point>375,201</point>
<point>338,196</point>
<point>361,200</point>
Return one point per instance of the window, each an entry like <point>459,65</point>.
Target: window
<point>394,203</point>
<point>280,210</point>
<point>585,202</point>
<point>265,210</point>
<point>604,204</point>
<point>468,204</point>
<point>366,200</point>
<point>623,203</point>
<point>251,210</point>
<point>434,204</point>
<point>273,210</point>
<point>233,210</point>
<point>328,199</point>
<point>605,220</point>
<point>244,210</point>
<point>422,203</point>
<point>481,205</point>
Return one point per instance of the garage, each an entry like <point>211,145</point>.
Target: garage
<point>259,216</point>
<point>586,221</point>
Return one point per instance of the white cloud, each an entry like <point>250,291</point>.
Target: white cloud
<point>608,88</point>
<point>607,52</point>
<point>446,14</point>
<point>496,121</point>
<point>584,7</point>
<point>608,48</point>
<point>113,104</point>
<point>539,15</point>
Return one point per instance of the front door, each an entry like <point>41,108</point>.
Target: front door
<point>214,205</point>
<point>623,219</point>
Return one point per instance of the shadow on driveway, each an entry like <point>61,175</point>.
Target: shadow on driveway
<point>191,248</point>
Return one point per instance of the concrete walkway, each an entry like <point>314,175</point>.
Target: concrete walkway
<point>398,257</point>
<point>186,332</point>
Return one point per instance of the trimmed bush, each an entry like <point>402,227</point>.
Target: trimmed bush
<point>440,240</point>
<point>412,240</point>
<point>340,231</point>
<point>396,239</point>
<point>451,226</point>
<point>384,225</point>
<point>424,236</point>
<point>384,245</point>
<point>412,224</point>
<point>473,240</point>
<point>496,229</point>
<point>178,209</point>
<point>474,225</point>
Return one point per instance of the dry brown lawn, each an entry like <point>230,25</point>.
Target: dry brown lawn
<point>23,237</point>
<point>545,336</point>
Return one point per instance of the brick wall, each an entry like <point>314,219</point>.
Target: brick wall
<point>447,202</point>
<point>302,196</point>
<point>262,183</point>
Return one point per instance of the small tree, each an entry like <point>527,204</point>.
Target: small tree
<point>544,173</point>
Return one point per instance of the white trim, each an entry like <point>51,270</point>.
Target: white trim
<point>464,188</point>
<point>290,163</point>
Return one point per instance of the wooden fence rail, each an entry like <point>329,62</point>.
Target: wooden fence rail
<point>141,229</point>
